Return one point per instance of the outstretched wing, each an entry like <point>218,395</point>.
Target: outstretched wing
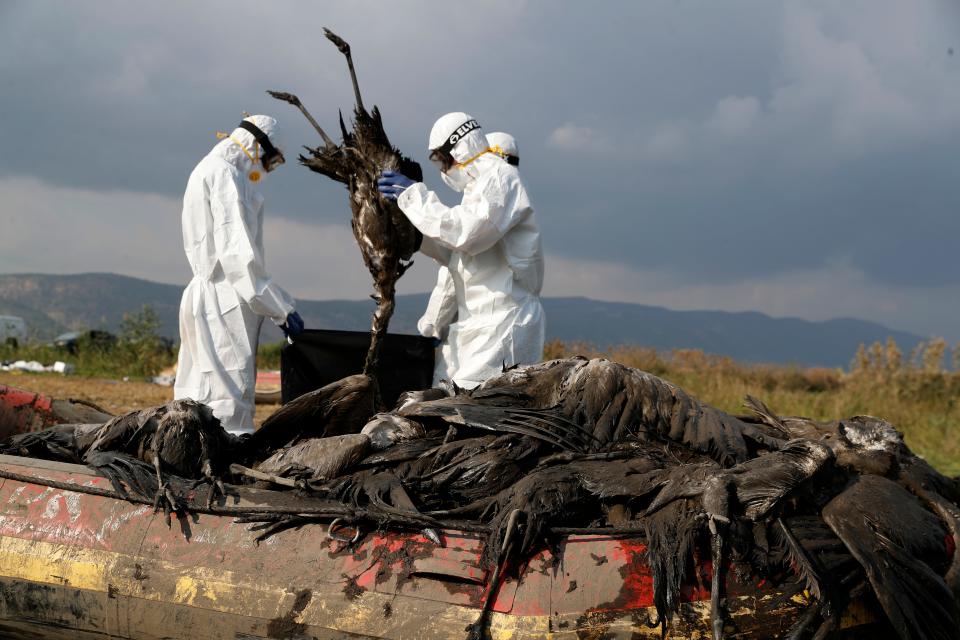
<point>56,443</point>
<point>891,535</point>
<point>548,425</point>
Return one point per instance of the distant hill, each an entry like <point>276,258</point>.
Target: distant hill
<point>87,300</point>
<point>53,303</point>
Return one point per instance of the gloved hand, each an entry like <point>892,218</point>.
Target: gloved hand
<point>391,184</point>
<point>436,342</point>
<point>293,326</point>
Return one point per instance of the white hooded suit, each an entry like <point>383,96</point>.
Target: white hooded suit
<point>231,292</point>
<point>490,243</point>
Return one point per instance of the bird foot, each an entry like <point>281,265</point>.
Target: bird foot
<point>217,490</point>
<point>286,97</point>
<point>165,498</point>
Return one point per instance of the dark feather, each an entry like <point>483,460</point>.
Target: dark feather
<point>56,443</point>
<point>340,407</point>
<point>891,536</point>
<point>547,425</point>
<point>128,474</point>
<point>670,534</point>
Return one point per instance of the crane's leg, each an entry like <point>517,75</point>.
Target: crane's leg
<point>345,50</point>
<point>295,101</point>
<point>381,319</point>
<point>164,494</point>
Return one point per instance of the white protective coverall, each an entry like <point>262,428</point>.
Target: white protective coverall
<point>490,244</point>
<point>442,305</point>
<point>224,305</point>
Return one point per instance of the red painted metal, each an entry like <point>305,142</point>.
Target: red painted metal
<point>268,379</point>
<point>594,582</point>
<point>22,411</point>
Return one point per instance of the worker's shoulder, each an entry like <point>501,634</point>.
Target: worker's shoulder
<point>505,173</point>
<point>213,169</point>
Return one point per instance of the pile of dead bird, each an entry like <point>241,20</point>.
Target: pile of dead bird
<point>839,509</point>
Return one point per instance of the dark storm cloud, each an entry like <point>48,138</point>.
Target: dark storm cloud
<point>710,143</point>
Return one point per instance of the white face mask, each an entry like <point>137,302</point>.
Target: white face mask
<point>456,178</point>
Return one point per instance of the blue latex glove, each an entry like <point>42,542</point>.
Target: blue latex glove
<point>293,326</point>
<point>391,184</point>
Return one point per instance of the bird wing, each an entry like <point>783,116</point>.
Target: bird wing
<point>889,534</point>
<point>56,443</point>
<point>548,425</point>
<point>322,457</point>
<point>340,407</point>
<point>761,483</point>
<point>401,452</point>
<point>126,473</point>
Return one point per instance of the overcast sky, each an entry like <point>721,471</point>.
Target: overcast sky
<point>796,158</point>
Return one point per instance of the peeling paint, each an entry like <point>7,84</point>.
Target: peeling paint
<point>67,542</point>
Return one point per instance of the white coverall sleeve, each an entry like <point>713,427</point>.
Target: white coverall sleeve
<point>441,309</point>
<point>441,254</point>
<point>471,227</point>
<point>242,260</point>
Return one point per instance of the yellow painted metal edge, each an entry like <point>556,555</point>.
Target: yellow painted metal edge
<point>224,591</point>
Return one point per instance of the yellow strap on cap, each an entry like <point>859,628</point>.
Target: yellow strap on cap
<point>464,164</point>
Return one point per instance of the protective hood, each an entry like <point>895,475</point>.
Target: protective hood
<point>459,134</point>
<point>238,147</point>
<point>503,144</point>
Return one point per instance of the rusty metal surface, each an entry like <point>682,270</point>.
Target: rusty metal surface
<point>98,567</point>
<point>22,411</point>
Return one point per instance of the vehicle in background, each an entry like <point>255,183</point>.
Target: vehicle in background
<point>73,341</point>
<point>13,330</point>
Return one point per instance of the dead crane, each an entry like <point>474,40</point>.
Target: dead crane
<point>387,239</point>
<point>837,509</point>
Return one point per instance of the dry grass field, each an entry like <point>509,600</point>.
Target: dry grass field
<point>115,396</point>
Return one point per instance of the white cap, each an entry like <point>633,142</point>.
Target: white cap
<point>459,134</point>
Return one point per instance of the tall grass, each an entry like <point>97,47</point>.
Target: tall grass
<point>915,393</point>
<point>268,355</point>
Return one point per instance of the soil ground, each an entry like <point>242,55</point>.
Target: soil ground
<point>114,396</point>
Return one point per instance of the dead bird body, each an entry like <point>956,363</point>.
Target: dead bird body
<point>573,441</point>
<point>386,237</point>
<point>63,443</point>
<point>157,453</point>
<point>317,458</point>
<point>607,403</point>
<point>181,438</point>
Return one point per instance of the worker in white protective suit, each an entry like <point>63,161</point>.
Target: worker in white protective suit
<point>490,243</point>
<point>442,306</point>
<point>231,292</point>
